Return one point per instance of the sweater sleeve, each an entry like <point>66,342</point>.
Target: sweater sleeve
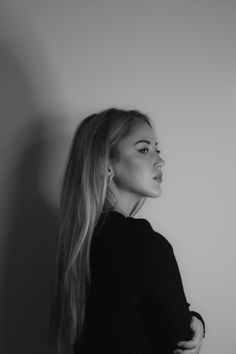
<point>161,283</point>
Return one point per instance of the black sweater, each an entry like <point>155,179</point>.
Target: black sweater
<point>136,303</point>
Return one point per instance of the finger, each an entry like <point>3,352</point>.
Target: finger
<point>190,351</point>
<point>187,351</point>
<point>191,344</point>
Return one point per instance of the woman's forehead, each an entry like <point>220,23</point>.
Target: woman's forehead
<point>141,132</point>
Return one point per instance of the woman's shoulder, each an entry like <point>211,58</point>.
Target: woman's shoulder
<point>148,236</point>
<point>138,229</point>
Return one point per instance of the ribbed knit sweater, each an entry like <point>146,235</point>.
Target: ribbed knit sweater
<point>136,303</point>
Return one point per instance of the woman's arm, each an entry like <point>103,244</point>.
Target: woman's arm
<point>194,345</point>
<point>162,284</point>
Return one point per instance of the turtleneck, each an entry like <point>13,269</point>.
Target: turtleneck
<point>136,302</point>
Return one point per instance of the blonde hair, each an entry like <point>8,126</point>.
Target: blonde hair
<point>85,195</point>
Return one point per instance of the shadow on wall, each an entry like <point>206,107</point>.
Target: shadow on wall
<point>29,252</point>
<point>28,228</point>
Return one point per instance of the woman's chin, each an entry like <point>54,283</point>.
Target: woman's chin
<point>155,193</point>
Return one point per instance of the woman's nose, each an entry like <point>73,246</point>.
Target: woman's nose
<point>159,161</point>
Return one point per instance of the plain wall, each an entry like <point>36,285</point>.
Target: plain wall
<point>61,60</point>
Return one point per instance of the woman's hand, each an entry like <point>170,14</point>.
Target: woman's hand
<point>192,346</point>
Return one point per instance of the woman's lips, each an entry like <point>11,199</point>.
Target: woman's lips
<point>158,178</point>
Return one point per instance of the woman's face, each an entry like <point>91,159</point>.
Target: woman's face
<point>139,163</point>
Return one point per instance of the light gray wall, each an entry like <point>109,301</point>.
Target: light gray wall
<point>63,59</point>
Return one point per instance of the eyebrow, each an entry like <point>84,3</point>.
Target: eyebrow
<point>144,141</point>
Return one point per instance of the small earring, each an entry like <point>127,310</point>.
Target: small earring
<point>110,178</point>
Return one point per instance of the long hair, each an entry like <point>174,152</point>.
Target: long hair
<point>85,195</point>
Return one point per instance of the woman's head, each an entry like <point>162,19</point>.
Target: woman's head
<point>103,147</point>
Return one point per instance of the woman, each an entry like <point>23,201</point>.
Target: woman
<point>118,287</point>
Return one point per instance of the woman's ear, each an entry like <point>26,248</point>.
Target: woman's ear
<point>110,172</point>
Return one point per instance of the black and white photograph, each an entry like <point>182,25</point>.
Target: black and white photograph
<point>117,184</point>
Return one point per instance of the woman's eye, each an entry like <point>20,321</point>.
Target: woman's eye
<point>158,151</point>
<point>143,149</point>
